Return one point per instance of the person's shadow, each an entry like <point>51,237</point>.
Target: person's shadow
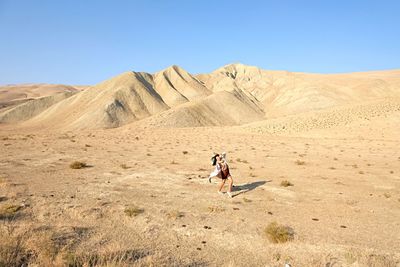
<point>244,188</point>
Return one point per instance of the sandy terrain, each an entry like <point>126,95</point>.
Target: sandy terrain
<point>342,159</point>
<point>11,95</point>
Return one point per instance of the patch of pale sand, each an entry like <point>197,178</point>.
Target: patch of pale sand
<point>281,192</point>
<point>384,187</point>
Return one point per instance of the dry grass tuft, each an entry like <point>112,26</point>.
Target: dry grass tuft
<point>387,195</point>
<point>111,258</point>
<point>133,211</point>
<point>2,181</point>
<point>124,166</point>
<point>350,257</point>
<point>376,260</point>
<point>174,214</point>
<point>286,183</point>
<point>78,165</point>
<point>216,209</point>
<point>241,160</point>
<point>22,245</point>
<point>13,250</point>
<point>277,233</point>
<point>300,162</point>
<point>9,211</point>
<point>247,200</point>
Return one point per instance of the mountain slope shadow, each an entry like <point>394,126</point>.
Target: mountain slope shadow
<point>244,188</point>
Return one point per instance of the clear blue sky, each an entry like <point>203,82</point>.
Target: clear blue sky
<point>85,42</point>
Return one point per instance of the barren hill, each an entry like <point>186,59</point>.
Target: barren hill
<point>219,109</point>
<point>283,92</point>
<point>235,94</point>
<point>123,99</point>
<point>11,95</point>
<point>120,100</point>
<point>29,109</point>
<point>176,86</point>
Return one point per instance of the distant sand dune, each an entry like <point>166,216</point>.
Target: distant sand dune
<point>32,108</point>
<point>11,95</point>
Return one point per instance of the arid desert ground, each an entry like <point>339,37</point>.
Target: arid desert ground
<point>315,153</point>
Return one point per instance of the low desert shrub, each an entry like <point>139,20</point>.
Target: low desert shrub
<point>387,195</point>
<point>286,183</point>
<point>124,166</point>
<point>9,211</point>
<point>216,209</point>
<point>247,200</point>
<point>2,181</point>
<point>174,214</point>
<point>277,233</point>
<point>13,250</point>
<point>78,165</point>
<point>111,258</point>
<point>133,211</point>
